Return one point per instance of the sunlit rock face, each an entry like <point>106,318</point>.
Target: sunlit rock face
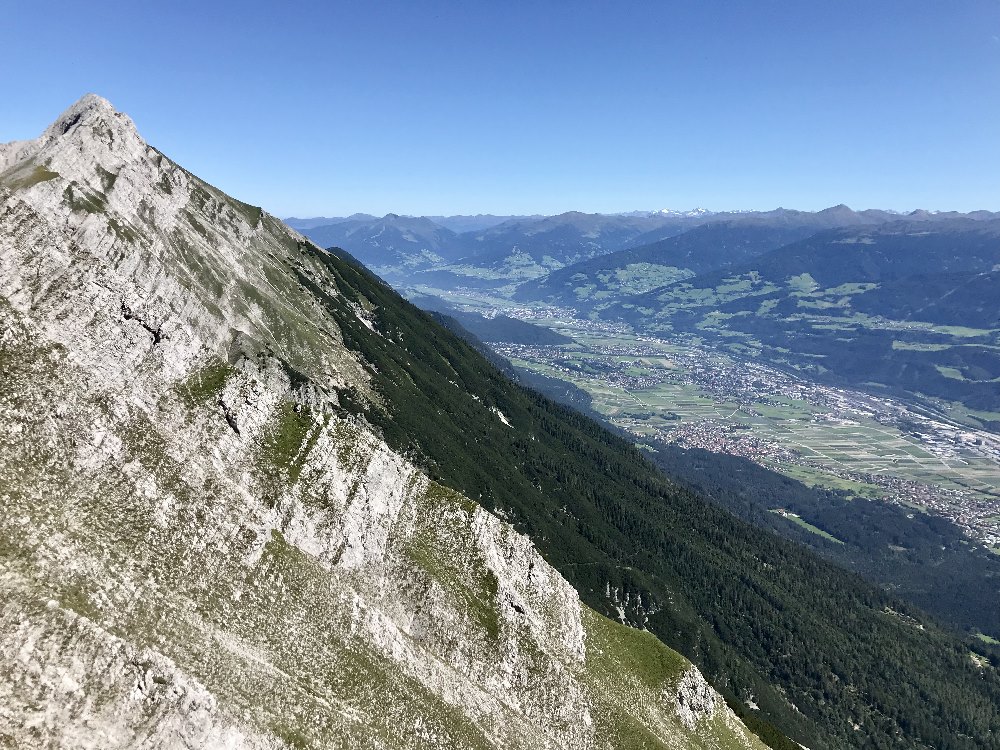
<point>199,547</point>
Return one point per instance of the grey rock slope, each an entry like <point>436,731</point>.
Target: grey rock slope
<point>199,548</point>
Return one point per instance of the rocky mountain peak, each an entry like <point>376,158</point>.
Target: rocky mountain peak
<point>90,109</point>
<point>88,134</point>
<point>840,208</point>
<point>206,542</point>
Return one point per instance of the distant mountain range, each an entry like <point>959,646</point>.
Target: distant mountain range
<point>457,223</point>
<point>916,292</point>
<point>320,221</point>
<point>641,269</point>
<point>394,245</point>
<point>496,251</point>
<point>725,240</point>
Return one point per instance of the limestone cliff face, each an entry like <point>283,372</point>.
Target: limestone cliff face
<point>199,547</point>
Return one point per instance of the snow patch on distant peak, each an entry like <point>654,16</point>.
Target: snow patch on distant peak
<point>692,213</point>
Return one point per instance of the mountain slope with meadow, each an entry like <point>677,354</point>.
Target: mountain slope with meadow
<point>916,301</point>
<point>610,277</point>
<point>205,544</point>
<point>257,499</point>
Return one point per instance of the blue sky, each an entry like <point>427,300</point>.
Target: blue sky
<point>315,108</point>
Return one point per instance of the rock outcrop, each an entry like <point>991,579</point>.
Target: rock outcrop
<point>200,546</point>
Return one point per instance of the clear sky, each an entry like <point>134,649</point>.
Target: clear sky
<point>327,108</point>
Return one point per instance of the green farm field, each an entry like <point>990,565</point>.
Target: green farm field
<point>833,449</point>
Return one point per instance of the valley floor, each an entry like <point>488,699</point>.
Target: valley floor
<point>686,392</point>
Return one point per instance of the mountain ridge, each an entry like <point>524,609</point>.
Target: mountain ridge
<point>413,251</point>
<point>281,445</point>
<point>202,547</point>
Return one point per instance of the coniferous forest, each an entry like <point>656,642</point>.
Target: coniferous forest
<point>827,658</point>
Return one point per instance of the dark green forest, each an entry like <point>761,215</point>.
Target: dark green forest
<point>829,659</point>
<point>923,558</point>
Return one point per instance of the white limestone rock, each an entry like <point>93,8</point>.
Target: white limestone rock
<point>196,551</point>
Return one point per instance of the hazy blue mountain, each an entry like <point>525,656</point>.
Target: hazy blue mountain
<point>835,216</point>
<point>478,222</point>
<point>725,240</point>
<point>319,221</point>
<point>393,245</point>
<point>565,238</point>
<point>457,223</point>
<point>921,214</point>
<point>490,251</point>
<point>613,276</point>
<point>527,248</point>
<point>885,252</point>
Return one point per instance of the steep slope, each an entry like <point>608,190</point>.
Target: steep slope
<point>203,545</point>
<point>964,298</point>
<point>774,627</point>
<point>922,557</point>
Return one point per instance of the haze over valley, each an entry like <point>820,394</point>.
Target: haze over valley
<point>622,377</point>
<point>853,351</point>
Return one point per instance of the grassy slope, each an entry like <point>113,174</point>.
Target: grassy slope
<point>640,269</point>
<point>272,640</point>
<point>748,607</point>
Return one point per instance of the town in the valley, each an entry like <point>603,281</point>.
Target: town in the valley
<point>683,391</point>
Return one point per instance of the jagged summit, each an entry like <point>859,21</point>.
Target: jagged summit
<point>87,110</point>
<point>93,158</point>
<point>206,543</point>
<point>90,125</point>
<point>91,175</point>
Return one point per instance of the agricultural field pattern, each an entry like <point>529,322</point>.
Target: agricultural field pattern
<point>681,390</point>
